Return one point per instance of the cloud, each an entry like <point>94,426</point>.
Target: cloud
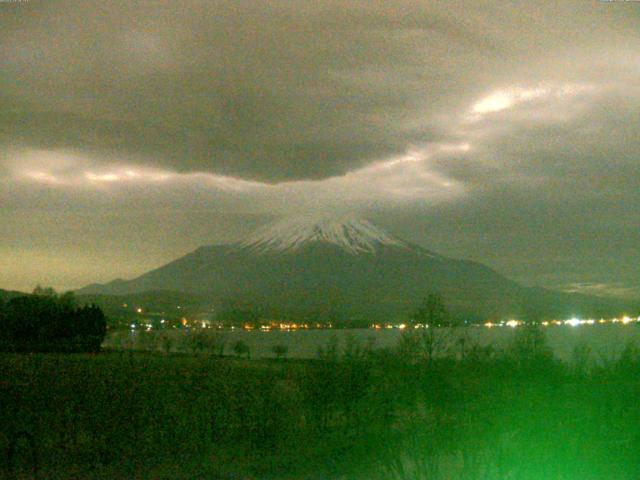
<point>508,129</point>
<point>602,289</point>
<point>273,91</point>
<point>400,179</point>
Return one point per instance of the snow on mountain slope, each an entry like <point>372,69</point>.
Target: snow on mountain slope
<point>351,234</point>
<point>305,267</point>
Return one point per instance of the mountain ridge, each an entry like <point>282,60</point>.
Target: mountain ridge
<point>352,272</point>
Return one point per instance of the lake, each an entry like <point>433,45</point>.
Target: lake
<point>604,341</point>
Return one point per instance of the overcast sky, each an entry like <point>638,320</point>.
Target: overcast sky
<point>506,132</point>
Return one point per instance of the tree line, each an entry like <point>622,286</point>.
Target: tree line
<point>46,321</point>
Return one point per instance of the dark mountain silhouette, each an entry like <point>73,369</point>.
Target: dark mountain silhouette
<point>170,304</point>
<point>349,268</point>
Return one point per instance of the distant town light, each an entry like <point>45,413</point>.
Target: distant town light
<point>574,322</point>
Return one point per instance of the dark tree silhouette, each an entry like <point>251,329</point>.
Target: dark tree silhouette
<point>240,348</point>
<point>432,312</point>
<point>45,321</point>
<point>280,351</point>
<point>41,291</point>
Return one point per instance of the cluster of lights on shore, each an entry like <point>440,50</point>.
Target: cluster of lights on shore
<point>279,326</point>
<point>573,322</point>
<point>512,323</point>
<point>262,328</point>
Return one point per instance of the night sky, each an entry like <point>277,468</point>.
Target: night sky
<point>506,132</point>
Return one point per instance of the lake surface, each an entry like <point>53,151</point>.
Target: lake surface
<point>604,341</point>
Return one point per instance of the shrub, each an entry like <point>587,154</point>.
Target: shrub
<point>195,341</point>
<point>241,348</point>
<point>581,359</point>
<point>147,341</point>
<point>329,353</point>
<point>280,350</point>
<point>166,342</point>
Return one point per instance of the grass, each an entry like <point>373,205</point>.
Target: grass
<point>385,415</point>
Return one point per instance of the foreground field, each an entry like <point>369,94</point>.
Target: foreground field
<point>351,414</point>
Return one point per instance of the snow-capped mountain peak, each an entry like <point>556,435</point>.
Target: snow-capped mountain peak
<point>351,234</point>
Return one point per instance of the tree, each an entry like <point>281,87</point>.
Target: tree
<point>46,322</point>
<point>529,347</point>
<point>166,341</point>
<point>44,291</point>
<point>240,348</point>
<point>195,341</point>
<point>68,300</point>
<point>432,312</point>
<point>90,327</point>
<point>280,350</point>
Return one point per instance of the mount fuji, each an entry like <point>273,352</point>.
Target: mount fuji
<point>346,268</point>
